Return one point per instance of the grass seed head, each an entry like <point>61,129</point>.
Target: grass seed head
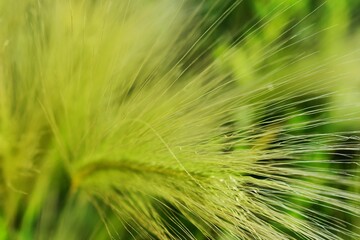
<point>127,119</point>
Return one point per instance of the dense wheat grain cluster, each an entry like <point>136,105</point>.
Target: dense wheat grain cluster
<point>151,120</point>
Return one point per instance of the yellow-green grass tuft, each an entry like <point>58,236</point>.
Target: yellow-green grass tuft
<point>120,119</point>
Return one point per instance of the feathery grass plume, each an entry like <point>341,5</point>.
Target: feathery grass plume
<point>126,119</point>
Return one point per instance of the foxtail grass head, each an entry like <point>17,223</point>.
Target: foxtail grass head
<point>138,119</point>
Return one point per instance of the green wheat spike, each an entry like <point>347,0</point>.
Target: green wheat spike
<point>142,120</point>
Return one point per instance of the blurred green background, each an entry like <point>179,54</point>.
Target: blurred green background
<point>300,54</point>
